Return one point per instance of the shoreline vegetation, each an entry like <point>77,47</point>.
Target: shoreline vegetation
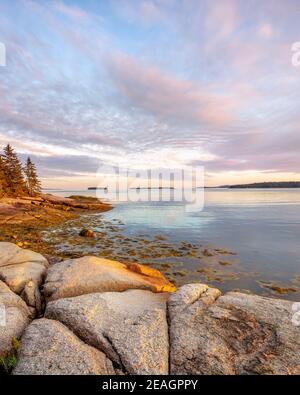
<point>22,200</point>
<point>25,212</point>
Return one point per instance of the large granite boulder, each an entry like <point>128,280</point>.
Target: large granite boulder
<point>90,274</point>
<point>14,317</point>
<point>231,334</point>
<point>49,348</point>
<point>11,254</point>
<point>129,327</point>
<point>23,271</point>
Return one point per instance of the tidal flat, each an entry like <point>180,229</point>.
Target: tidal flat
<point>234,246</point>
<point>181,263</point>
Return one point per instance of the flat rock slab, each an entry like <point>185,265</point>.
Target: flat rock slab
<point>90,274</point>
<point>14,317</point>
<point>23,271</point>
<point>129,327</point>
<point>76,202</point>
<point>49,348</point>
<point>231,334</point>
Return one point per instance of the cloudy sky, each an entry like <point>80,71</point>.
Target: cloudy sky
<point>152,83</point>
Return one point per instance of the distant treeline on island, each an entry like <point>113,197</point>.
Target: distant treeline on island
<point>283,184</point>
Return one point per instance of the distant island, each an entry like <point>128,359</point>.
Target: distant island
<point>95,188</point>
<point>283,184</point>
<point>105,188</point>
<point>153,188</point>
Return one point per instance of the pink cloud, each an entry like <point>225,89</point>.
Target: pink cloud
<point>266,31</point>
<point>147,11</point>
<point>168,96</point>
<point>72,12</point>
<point>222,18</point>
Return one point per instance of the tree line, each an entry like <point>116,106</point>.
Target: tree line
<point>16,179</point>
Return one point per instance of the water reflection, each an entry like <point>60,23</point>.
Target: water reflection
<point>261,226</point>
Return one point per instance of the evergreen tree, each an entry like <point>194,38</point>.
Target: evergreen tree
<point>3,183</point>
<point>13,172</point>
<point>33,184</point>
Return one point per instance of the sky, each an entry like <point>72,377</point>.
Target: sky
<point>141,84</point>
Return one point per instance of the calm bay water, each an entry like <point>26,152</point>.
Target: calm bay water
<point>261,226</point>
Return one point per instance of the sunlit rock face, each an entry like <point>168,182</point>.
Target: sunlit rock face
<point>15,316</point>
<point>24,272</point>
<point>129,327</point>
<point>49,348</point>
<point>231,334</point>
<point>90,274</point>
<point>11,254</point>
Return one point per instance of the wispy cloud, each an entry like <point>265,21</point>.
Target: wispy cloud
<point>71,11</point>
<point>166,82</point>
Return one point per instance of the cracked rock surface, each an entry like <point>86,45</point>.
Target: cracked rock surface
<point>129,327</point>
<point>49,348</point>
<point>15,316</point>
<point>231,334</point>
<point>24,272</point>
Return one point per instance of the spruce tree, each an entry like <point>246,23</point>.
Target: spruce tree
<point>13,172</point>
<point>33,184</point>
<point>3,183</point>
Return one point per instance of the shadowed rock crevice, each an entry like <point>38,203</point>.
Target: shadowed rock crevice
<point>24,271</point>
<point>119,366</point>
<point>16,315</point>
<point>129,327</point>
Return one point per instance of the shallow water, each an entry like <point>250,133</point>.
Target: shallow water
<point>261,226</point>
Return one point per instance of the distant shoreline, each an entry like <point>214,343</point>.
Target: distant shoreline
<point>262,185</point>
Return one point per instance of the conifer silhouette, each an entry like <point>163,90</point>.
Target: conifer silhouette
<point>3,183</point>
<point>33,184</point>
<point>13,172</point>
<point>16,180</point>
